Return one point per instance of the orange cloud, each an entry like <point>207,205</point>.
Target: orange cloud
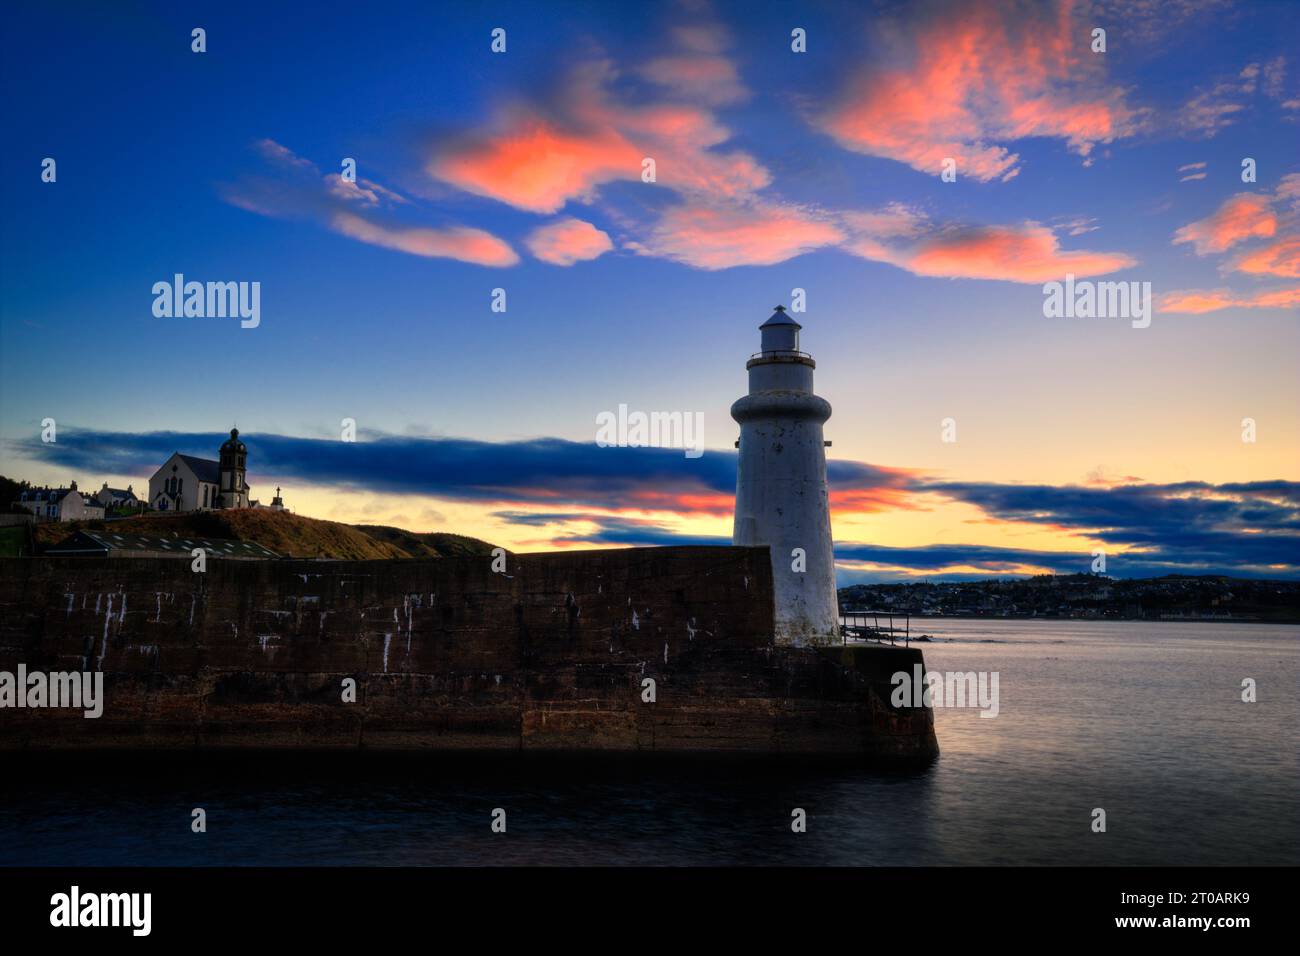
<point>1243,216</point>
<point>957,83</point>
<point>458,242</point>
<point>872,500</point>
<point>720,236</point>
<point>533,164</point>
<point>1196,302</point>
<point>1248,216</point>
<point>1279,258</point>
<point>1027,252</point>
<point>540,156</point>
<point>704,502</point>
<point>568,241</point>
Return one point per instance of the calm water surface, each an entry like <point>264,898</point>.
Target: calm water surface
<point>1143,720</point>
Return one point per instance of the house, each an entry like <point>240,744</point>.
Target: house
<point>112,498</point>
<point>109,544</point>
<point>186,483</point>
<point>59,504</point>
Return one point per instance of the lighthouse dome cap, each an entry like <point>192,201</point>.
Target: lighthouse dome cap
<point>779,317</point>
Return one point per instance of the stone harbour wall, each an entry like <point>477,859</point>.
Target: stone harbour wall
<point>447,655</point>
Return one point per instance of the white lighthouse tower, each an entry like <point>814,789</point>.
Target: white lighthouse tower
<point>781,497</point>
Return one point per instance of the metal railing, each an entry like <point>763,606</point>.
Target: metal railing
<point>868,626</point>
<point>791,354</point>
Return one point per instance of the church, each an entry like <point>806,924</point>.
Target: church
<point>186,483</point>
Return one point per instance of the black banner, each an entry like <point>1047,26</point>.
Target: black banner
<point>334,905</point>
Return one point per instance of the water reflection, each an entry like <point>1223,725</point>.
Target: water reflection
<point>1144,721</point>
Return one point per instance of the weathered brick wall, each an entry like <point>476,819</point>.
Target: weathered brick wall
<point>447,655</point>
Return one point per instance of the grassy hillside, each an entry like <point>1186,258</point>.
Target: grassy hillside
<point>427,544</point>
<point>287,534</point>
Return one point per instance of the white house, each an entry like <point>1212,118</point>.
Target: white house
<point>59,504</point>
<point>117,497</point>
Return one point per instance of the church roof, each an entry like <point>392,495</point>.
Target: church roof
<point>205,469</point>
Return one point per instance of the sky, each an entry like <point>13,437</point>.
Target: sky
<point>1170,444</point>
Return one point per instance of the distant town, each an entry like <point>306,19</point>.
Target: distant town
<point>1170,598</point>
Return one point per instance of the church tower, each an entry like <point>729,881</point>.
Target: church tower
<point>781,496</point>
<point>234,490</point>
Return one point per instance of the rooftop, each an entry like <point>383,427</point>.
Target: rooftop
<point>106,542</point>
<point>779,317</point>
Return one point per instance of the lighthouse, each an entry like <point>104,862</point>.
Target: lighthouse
<point>781,497</point>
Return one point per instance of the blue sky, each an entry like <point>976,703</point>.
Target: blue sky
<point>925,296</point>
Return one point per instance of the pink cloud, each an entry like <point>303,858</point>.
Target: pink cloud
<point>1196,301</point>
<point>539,156</point>
<point>721,236</point>
<point>1023,253</point>
<point>1243,216</point>
<point>965,80</point>
<point>458,242</point>
<point>568,241</point>
<point>534,163</point>
<point>1026,252</point>
<point>1280,258</point>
